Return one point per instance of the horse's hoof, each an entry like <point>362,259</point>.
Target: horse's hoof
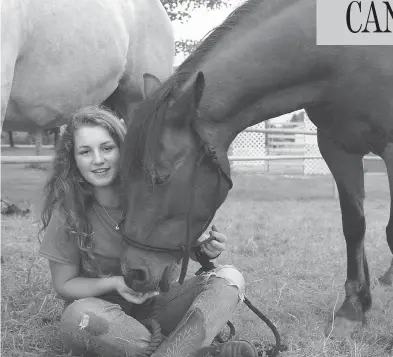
<point>342,327</point>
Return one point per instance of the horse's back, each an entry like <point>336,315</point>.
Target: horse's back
<point>71,54</point>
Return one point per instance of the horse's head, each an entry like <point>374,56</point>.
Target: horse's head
<point>174,181</point>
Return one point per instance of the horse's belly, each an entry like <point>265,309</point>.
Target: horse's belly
<point>28,116</point>
<point>74,56</point>
<point>48,102</point>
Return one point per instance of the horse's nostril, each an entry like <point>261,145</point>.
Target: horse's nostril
<point>139,275</point>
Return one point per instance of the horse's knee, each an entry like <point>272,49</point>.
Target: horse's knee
<point>354,226</point>
<point>233,277</point>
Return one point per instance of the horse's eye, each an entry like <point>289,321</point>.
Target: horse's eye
<point>159,180</point>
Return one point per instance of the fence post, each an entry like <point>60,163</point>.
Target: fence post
<point>38,142</point>
<point>38,148</point>
<point>11,139</point>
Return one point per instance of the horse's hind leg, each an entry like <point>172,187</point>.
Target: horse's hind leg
<point>347,170</point>
<point>387,156</point>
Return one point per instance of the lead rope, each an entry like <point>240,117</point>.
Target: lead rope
<point>156,335</point>
<point>206,266</point>
<point>187,247</point>
<point>272,352</point>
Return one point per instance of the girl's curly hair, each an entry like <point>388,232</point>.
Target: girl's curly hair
<point>66,191</point>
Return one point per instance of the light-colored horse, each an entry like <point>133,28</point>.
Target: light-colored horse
<point>262,62</point>
<point>60,55</point>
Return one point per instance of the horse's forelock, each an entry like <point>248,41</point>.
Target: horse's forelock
<point>141,143</point>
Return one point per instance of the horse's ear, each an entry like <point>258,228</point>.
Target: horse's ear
<point>150,84</point>
<point>188,101</point>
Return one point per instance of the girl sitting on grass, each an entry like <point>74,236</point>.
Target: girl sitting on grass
<point>80,215</point>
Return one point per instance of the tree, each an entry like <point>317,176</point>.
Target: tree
<point>186,46</point>
<point>297,117</point>
<point>181,10</point>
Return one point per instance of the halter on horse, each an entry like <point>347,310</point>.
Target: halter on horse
<point>206,150</point>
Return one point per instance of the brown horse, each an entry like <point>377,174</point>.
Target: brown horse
<point>60,55</point>
<point>262,62</point>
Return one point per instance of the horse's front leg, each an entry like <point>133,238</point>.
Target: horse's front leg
<point>347,170</point>
<point>387,156</point>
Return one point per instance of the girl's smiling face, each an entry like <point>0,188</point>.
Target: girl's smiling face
<point>96,155</point>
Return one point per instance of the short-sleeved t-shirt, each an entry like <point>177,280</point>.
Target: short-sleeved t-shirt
<point>108,245</point>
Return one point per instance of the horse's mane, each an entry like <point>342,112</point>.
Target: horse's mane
<point>141,144</point>
<point>215,35</point>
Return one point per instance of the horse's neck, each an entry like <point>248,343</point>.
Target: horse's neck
<point>263,68</point>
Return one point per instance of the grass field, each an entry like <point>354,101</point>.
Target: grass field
<point>284,235</point>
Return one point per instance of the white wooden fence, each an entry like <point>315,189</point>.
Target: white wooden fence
<point>26,159</point>
<point>292,148</point>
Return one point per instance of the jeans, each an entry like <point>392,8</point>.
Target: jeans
<point>92,324</point>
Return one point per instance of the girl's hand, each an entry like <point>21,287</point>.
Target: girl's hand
<point>216,246</point>
<point>131,295</point>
